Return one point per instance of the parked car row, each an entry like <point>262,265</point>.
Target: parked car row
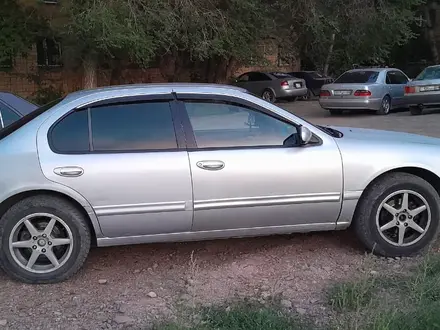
<point>178,162</point>
<point>382,90</point>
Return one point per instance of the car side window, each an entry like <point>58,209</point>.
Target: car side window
<point>228,125</point>
<point>133,127</point>
<point>7,116</point>
<point>258,76</point>
<point>396,78</point>
<point>388,78</point>
<point>116,128</point>
<point>243,78</point>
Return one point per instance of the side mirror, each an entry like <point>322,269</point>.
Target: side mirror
<point>305,135</point>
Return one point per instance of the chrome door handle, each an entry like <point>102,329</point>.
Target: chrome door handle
<point>69,171</point>
<point>211,165</point>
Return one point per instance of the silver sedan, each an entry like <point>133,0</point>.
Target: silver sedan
<point>178,162</point>
<point>379,90</point>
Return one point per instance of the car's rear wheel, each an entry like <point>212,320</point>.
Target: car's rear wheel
<point>268,95</point>
<point>43,239</point>
<point>385,106</point>
<point>398,215</point>
<point>336,112</point>
<point>415,111</point>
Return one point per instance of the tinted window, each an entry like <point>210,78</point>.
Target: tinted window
<point>396,78</point>
<point>429,73</point>
<point>135,126</point>
<point>227,125</point>
<point>7,116</point>
<point>357,77</point>
<point>315,75</point>
<point>71,134</point>
<point>243,77</point>
<point>281,75</point>
<point>258,76</point>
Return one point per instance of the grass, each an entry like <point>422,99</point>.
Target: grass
<point>397,302</point>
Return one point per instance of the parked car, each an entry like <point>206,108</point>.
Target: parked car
<point>314,81</point>
<point>376,89</point>
<point>272,86</point>
<point>13,107</point>
<point>424,91</point>
<point>171,162</point>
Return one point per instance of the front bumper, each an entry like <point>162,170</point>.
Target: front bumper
<point>350,104</point>
<point>291,92</point>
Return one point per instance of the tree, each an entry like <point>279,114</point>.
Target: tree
<point>19,26</point>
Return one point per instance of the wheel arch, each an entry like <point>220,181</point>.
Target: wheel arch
<point>420,172</point>
<point>91,219</point>
<point>270,89</point>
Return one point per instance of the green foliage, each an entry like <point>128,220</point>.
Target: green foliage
<point>18,25</point>
<point>352,295</point>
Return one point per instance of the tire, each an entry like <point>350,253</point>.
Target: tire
<point>268,95</point>
<point>370,217</point>
<point>336,112</point>
<point>415,111</point>
<point>70,225</point>
<point>308,96</point>
<point>385,106</point>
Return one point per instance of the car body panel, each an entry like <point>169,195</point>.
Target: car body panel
<point>303,187</point>
<point>424,98</point>
<point>342,94</point>
<point>313,82</point>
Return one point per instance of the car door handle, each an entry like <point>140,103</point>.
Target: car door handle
<point>211,165</point>
<point>69,171</point>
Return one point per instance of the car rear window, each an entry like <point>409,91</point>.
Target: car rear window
<point>280,75</point>
<point>26,119</point>
<point>357,77</point>
<point>429,73</point>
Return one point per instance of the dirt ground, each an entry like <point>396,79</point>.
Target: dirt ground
<point>133,287</point>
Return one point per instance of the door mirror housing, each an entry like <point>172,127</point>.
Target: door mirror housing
<point>305,135</point>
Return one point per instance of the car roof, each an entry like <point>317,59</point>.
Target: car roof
<point>373,69</point>
<point>171,87</point>
<point>17,103</point>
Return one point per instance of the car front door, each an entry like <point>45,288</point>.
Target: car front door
<point>247,175</point>
<point>126,160</point>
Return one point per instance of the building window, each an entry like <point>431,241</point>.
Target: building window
<point>48,52</point>
<point>6,63</point>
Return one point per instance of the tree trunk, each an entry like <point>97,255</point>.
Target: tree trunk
<point>329,54</point>
<point>431,35</point>
<point>116,73</point>
<point>90,75</point>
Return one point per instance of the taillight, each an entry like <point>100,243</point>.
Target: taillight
<point>410,89</point>
<point>362,93</point>
<point>324,93</point>
<point>284,84</point>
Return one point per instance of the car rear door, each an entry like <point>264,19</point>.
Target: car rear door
<point>244,176</point>
<point>397,81</point>
<point>128,159</point>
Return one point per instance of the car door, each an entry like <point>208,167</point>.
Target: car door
<point>245,176</point>
<point>127,161</point>
<point>397,81</point>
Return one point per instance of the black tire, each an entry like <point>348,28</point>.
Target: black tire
<point>336,112</point>
<point>60,208</point>
<point>415,111</point>
<point>385,106</point>
<point>268,95</point>
<point>364,222</point>
<point>308,96</point>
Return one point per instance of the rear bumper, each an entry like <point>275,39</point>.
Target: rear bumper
<point>294,92</point>
<point>350,104</point>
<point>427,100</point>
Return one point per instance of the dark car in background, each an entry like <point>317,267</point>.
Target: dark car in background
<point>314,81</point>
<point>272,86</point>
<point>13,107</point>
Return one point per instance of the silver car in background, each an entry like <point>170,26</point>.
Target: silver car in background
<point>273,86</point>
<point>180,162</point>
<point>424,91</point>
<point>376,89</point>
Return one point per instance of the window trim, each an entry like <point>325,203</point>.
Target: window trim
<point>189,132</point>
<point>168,98</point>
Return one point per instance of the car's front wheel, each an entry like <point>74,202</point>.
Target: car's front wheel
<point>43,239</point>
<point>398,215</point>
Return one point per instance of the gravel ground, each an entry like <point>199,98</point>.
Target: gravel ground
<point>135,286</point>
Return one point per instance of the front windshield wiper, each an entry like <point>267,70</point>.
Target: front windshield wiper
<point>333,132</point>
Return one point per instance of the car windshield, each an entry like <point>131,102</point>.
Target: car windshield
<point>315,74</point>
<point>25,119</point>
<point>357,77</point>
<point>432,72</point>
<point>280,75</point>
